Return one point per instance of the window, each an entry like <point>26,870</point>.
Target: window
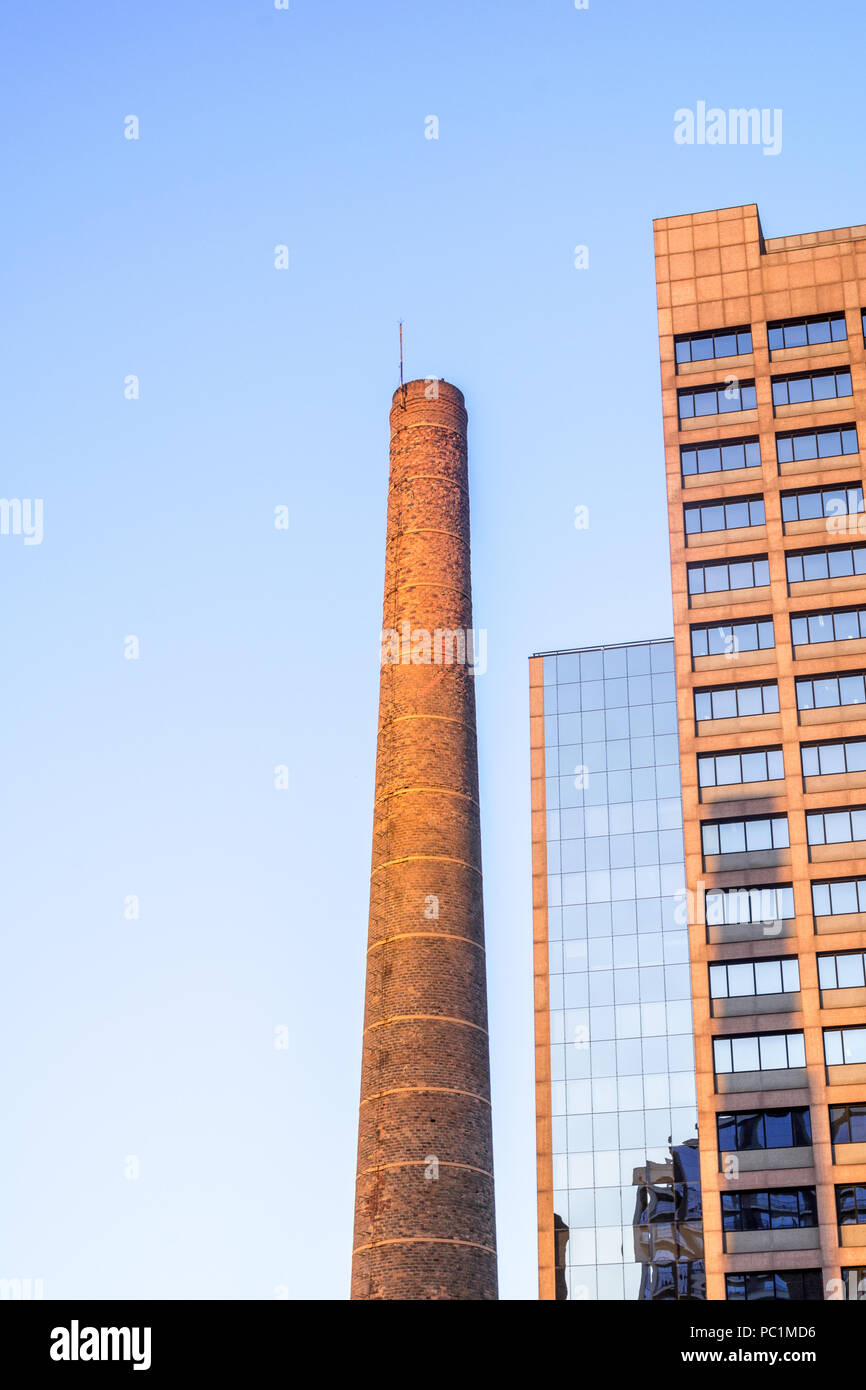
<point>747,1130</point>
<point>732,769</point>
<point>742,978</point>
<point>825,759</point>
<point>826,692</point>
<point>724,516</point>
<point>844,1047</point>
<point>839,897</point>
<point>851,1204</point>
<point>722,458</point>
<point>741,836</point>
<point>822,328</point>
<point>845,970</point>
<point>799,1285</point>
<point>817,502</point>
<point>717,400</point>
<point>741,906</point>
<point>836,827</point>
<point>848,1123</point>
<point>839,562</point>
<point>805,387</point>
<point>855,1282</point>
<point>781,1209</point>
<point>836,625</point>
<point>703,347</point>
<point>729,638</point>
<point>734,701</point>
<point>724,575</point>
<point>796,445</point>
<point>759,1052</point>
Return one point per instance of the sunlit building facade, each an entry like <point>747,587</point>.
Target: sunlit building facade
<point>763,374</point>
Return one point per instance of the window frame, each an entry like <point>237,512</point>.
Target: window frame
<point>735,690</point>
<point>717,968</point>
<point>756,500</point>
<point>772,820</point>
<point>719,391</point>
<point>706,760</point>
<point>738,1118</point>
<point>823,374</point>
<point>843,1031</point>
<point>732,627</point>
<point>786,1033</point>
<point>700,566</point>
<point>724,895</point>
<point>813,817</point>
<point>738,1204</point>
<point>833,678</point>
<point>820,617</point>
<point>686,339</point>
<point>810,320</point>
<point>825,957</point>
<point>857,552</point>
<point>823,493</point>
<point>750,445</point>
<point>829,884</point>
<point>785,437</point>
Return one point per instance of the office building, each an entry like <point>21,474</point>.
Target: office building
<point>764,403</point>
<point>619,1205</point>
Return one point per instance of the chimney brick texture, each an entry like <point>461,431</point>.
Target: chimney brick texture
<point>424,1212</point>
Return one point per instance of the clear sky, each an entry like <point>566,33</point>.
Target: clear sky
<point>153,1039</point>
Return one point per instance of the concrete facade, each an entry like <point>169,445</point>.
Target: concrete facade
<point>424,1212</point>
<point>716,272</point>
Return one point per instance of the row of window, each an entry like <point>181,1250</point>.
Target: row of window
<point>798,1285</point>
<point>749,1131</point>
<point>767,903</point>
<point>730,769</point>
<point>795,1284</point>
<point>789,1208</point>
<point>751,834</point>
<point>758,634</point>
<point>784,1208</point>
<point>739,513</point>
<point>792,446</point>
<point>746,1131</point>
<point>798,388</point>
<point>735,342</point>
<point>801,566</point>
<point>747,765</point>
<point>743,979</point>
<point>748,1052</point>
<point>762,697</point>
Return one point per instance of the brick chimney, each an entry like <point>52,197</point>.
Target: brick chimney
<point>424,1214</point>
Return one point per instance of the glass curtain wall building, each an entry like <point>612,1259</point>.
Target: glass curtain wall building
<point>619,1193</point>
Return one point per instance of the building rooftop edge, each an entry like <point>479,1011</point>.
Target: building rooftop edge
<point>856,231</point>
<point>603,647</point>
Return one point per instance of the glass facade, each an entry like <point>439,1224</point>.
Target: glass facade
<point>626,1189</point>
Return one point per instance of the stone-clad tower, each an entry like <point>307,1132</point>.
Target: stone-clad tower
<point>424,1217</point>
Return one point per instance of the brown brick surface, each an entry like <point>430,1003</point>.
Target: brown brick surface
<point>424,1213</point>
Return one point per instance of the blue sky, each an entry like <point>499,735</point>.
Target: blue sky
<point>153,1038</point>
